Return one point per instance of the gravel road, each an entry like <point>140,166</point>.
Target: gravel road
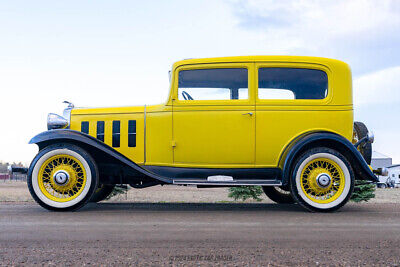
<point>199,234</point>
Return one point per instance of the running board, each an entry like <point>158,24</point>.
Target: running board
<point>227,183</point>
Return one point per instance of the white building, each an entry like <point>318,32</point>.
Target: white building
<point>380,161</point>
<point>394,173</point>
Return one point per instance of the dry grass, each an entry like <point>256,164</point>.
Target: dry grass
<point>16,191</point>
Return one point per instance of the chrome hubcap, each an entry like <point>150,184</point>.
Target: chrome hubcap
<point>324,180</point>
<point>61,177</point>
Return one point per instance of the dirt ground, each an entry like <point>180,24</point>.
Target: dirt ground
<point>186,226</point>
<point>199,234</point>
<point>17,191</point>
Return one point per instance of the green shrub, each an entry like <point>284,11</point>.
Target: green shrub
<point>245,192</point>
<point>363,191</point>
<point>118,190</point>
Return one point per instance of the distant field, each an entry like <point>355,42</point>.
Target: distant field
<point>16,191</point>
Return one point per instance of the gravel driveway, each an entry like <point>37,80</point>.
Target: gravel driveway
<point>173,225</point>
<point>199,234</point>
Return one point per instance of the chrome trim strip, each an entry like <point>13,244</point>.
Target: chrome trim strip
<point>235,182</point>
<point>144,134</point>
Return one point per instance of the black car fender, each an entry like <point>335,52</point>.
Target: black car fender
<point>86,141</point>
<point>306,141</point>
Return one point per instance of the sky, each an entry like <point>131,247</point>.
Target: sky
<point>118,53</point>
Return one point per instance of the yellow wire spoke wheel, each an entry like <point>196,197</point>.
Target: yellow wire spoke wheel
<point>62,178</point>
<point>322,180</point>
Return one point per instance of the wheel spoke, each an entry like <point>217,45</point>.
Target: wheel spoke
<point>76,179</point>
<point>309,179</point>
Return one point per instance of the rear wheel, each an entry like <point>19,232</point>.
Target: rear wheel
<point>322,180</point>
<point>278,194</point>
<point>62,177</point>
<point>102,192</point>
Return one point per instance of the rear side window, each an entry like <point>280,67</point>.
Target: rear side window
<point>292,83</point>
<point>213,84</point>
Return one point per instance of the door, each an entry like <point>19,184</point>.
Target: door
<point>214,116</point>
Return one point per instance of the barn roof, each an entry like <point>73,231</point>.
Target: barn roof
<point>393,166</point>
<point>377,155</point>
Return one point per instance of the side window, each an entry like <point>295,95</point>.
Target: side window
<point>292,83</point>
<point>213,84</point>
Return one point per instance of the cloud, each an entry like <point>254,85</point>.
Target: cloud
<point>378,88</point>
<point>364,33</point>
<point>377,104</point>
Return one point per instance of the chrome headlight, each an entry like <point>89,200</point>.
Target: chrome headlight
<point>55,121</point>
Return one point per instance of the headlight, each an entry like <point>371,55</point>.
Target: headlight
<point>55,121</point>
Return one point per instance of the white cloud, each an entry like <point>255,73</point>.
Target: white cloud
<point>364,33</point>
<point>381,87</point>
<point>377,103</point>
<point>324,19</point>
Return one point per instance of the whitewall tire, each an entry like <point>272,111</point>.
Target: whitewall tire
<point>322,180</point>
<point>62,177</point>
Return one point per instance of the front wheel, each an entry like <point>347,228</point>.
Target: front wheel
<point>62,177</point>
<point>322,180</point>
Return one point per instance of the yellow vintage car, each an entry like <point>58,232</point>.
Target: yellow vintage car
<point>281,122</point>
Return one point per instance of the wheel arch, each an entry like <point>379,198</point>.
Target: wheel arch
<point>101,152</point>
<point>330,140</point>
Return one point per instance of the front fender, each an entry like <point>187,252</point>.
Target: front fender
<point>334,141</point>
<point>64,135</point>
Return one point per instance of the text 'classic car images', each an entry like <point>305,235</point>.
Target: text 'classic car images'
<point>281,122</point>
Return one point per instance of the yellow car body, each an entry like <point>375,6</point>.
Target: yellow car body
<point>273,121</point>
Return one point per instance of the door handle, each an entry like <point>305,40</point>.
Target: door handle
<point>248,113</point>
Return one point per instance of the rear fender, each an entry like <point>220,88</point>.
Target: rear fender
<point>360,167</point>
